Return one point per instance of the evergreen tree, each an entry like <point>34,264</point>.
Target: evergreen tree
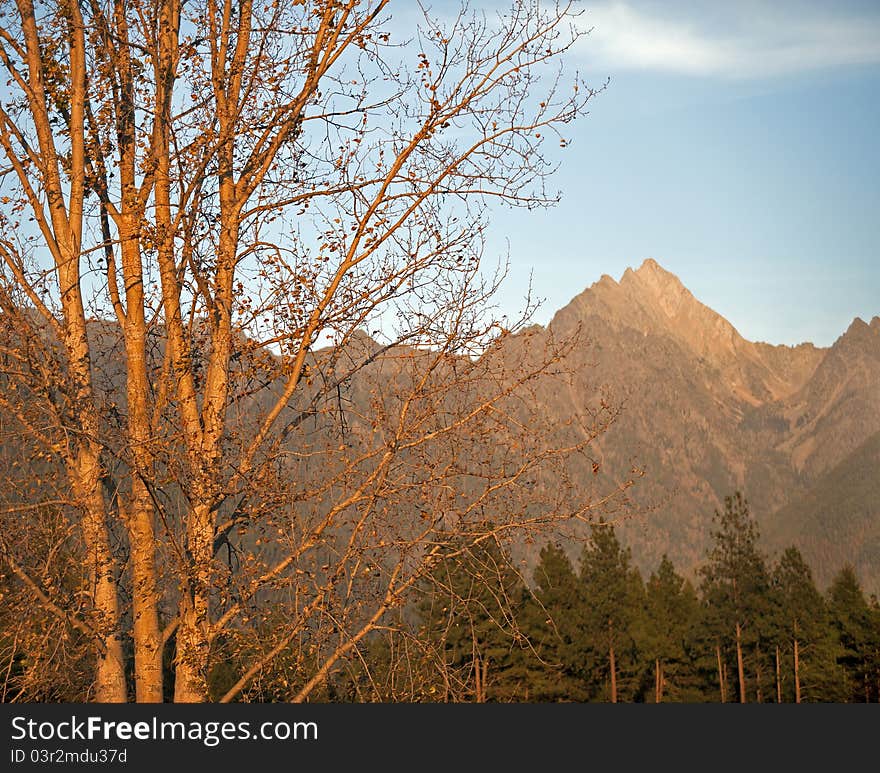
<point>858,632</point>
<point>672,610</point>
<point>615,604</point>
<point>806,649</point>
<point>712,675</point>
<point>735,591</point>
<point>555,627</point>
<point>874,644</point>
<point>470,614</point>
<point>394,665</point>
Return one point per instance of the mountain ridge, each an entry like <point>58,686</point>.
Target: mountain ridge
<point>708,412</point>
<point>703,412</point>
<point>653,300</point>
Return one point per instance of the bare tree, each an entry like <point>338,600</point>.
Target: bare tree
<point>205,206</point>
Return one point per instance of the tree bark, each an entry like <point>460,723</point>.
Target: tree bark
<point>658,681</point>
<point>758,692</point>
<point>110,679</point>
<point>612,662</point>
<point>481,669</point>
<point>193,643</point>
<point>86,474</point>
<point>797,672</point>
<point>720,674</point>
<point>145,598</point>
<point>739,664</point>
<point>778,678</point>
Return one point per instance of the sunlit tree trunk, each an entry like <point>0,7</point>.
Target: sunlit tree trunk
<point>658,681</point>
<point>612,662</point>
<point>110,680</point>
<point>740,670</point>
<point>759,694</point>
<point>60,217</point>
<point>778,678</point>
<point>190,682</point>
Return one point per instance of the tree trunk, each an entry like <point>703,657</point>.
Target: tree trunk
<point>480,667</point>
<point>481,672</point>
<point>191,661</point>
<point>739,664</point>
<point>145,598</point>
<point>192,642</point>
<point>86,474</point>
<point>797,673</point>
<point>778,678</point>
<point>658,681</point>
<point>758,693</point>
<point>612,662</point>
<point>110,680</point>
<point>720,674</point>
<point>478,692</point>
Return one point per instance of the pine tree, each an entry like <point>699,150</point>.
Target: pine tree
<point>735,590</point>
<point>806,649</point>
<point>555,626</point>
<point>615,604</point>
<point>858,632</point>
<point>672,611</point>
<point>874,644</point>
<point>470,614</point>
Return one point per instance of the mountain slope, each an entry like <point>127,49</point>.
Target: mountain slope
<point>706,412</point>
<point>703,412</point>
<point>839,407</point>
<point>838,520</point>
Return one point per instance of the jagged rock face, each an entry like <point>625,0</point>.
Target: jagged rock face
<point>655,302</point>
<point>839,407</point>
<point>707,412</point>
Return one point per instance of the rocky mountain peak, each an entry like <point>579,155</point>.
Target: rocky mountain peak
<point>651,274</point>
<point>858,325</point>
<point>860,336</point>
<point>649,299</point>
<point>656,286</point>
<point>654,302</point>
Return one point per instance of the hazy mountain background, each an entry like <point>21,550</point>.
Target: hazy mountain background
<point>703,413</point>
<point>706,412</point>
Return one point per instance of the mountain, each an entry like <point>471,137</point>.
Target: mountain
<point>654,302</point>
<point>839,407</point>
<point>701,412</point>
<point>837,521</point>
<point>706,412</point>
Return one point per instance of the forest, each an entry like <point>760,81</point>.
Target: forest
<point>595,630</point>
<point>476,628</point>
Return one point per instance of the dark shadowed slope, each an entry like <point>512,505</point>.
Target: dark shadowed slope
<point>837,521</point>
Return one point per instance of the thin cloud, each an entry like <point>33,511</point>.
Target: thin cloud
<point>627,38</point>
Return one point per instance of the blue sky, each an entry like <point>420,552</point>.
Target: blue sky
<point>738,144</point>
